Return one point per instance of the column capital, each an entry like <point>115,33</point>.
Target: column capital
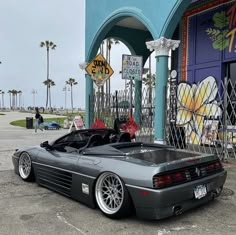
<point>162,46</point>
<point>83,65</point>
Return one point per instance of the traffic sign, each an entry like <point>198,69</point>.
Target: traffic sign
<point>99,70</point>
<point>132,67</point>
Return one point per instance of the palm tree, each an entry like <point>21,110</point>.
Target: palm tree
<point>0,99</point>
<point>14,98</point>
<point>9,92</point>
<point>49,83</point>
<point>2,93</point>
<point>48,45</point>
<point>71,82</point>
<point>19,92</point>
<point>110,41</point>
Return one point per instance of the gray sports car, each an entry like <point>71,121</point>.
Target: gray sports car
<point>102,169</point>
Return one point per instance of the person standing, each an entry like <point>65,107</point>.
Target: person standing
<point>38,121</point>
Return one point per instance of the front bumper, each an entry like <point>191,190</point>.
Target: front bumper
<point>162,203</point>
<point>15,161</point>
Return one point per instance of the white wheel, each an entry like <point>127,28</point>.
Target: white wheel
<point>25,167</point>
<point>111,196</point>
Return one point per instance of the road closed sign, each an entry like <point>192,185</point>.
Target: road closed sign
<point>132,67</point>
<point>99,70</point>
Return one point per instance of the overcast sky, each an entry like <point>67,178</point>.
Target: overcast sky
<point>24,24</point>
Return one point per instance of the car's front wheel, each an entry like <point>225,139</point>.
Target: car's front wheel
<point>112,196</point>
<point>25,167</point>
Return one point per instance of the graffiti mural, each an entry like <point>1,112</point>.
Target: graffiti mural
<point>196,103</point>
<point>219,35</point>
<point>223,33</point>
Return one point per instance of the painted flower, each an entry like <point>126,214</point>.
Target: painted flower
<point>196,102</point>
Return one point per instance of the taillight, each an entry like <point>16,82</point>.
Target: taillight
<point>187,174</point>
<point>163,181</point>
<point>213,167</point>
<point>218,165</point>
<point>178,177</point>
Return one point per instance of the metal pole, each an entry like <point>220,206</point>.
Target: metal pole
<point>117,113</point>
<point>131,90</point>
<point>225,118</point>
<point>65,98</point>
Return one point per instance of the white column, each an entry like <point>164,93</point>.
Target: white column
<point>162,47</point>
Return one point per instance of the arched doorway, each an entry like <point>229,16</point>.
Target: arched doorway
<point>134,28</point>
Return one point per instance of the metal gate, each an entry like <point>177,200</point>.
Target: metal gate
<point>121,104</point>
<point>205,117</point>
<point>201,117</point>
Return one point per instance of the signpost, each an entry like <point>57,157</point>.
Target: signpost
<point>173,94</point>
<point>99,70</point>
<point>132,70</point>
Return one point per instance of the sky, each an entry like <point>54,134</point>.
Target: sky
<point>25,23</point>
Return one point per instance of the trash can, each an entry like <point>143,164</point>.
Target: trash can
<point>29,122</point>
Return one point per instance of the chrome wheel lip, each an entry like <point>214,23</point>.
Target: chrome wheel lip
<point>24,165</point>
<point>109,197</point>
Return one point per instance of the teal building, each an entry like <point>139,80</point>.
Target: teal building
<point>157,26</point>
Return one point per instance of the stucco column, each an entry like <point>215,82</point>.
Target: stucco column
<point>162,47</point>
<point>89,109</point>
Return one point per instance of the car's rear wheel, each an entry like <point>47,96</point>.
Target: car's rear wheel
<point>25,167</point>
<point>112,196</point>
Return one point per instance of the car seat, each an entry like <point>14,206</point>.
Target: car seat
<point>124,137</point>
<point>94,140</point>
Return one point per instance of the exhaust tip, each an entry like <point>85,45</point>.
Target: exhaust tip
<point>177,210</point>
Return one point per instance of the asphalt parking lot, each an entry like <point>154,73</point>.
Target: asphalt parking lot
<point>29,209</point>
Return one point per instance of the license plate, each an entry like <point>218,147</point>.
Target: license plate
<point>200,191</point>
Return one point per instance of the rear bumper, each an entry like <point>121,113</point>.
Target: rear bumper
<point>162,203</point>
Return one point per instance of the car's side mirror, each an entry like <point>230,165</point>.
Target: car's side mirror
<point>46,145</point>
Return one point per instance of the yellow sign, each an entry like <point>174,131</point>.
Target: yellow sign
<point>99,70</point>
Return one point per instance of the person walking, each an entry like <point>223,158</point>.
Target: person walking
<point>38,121</point>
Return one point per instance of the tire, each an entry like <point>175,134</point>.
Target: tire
<point>25,167</point>
<point>46,127</point>
<point>112,196</point>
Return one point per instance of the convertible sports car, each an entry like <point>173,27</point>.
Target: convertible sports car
<point>104,169</point>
